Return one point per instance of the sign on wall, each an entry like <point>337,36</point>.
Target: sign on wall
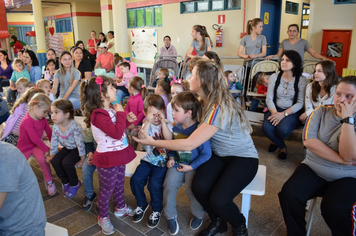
<point>143,44</point>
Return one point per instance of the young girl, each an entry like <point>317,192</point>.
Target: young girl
<point>12,127</point>
<point>18,72</point>
<point>68,133</point>
<point>50,70</point>
<point>68,77</point>
<point>113,151</point>
<point>261,84</point>
<point>201,41</point>
<point>45,85</point>
<point>30,143</point>
<point>22,85</point>
<point>177,86</point>
<point>164,89</point>
<point>138,93</point>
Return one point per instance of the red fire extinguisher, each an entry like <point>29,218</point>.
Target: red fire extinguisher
<point>219,35</point>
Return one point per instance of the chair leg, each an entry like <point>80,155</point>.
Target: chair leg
<point>310,221</point>
<point>245,206</point>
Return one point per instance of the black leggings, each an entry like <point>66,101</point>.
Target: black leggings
<point>218,181</point>
<point>64,165</point>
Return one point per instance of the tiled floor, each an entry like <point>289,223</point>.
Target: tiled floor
<point>265,215</point>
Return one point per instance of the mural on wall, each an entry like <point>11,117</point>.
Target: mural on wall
<point>58,41</point>
<point>144,44</point>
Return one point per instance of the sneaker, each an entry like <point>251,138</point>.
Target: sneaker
<point>126,211</point>
<point>153,220</point>
<point>195,223</point>
<point>173,226</point>
<point>106,227</point>
<point>139,213</point>
<point>72,190</point>
<point>51,188</point>
<point>65,189</point>
<point>88,202</point>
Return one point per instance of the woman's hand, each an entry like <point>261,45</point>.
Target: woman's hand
<point>348,109</point>
<point>276,118</point>
<point>184,168</point>
<point>303,117</point>
<point>147,140</point>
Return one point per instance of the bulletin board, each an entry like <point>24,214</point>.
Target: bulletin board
<point>144,44</point>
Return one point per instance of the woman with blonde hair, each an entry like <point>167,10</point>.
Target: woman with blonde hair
<point>230,169</point>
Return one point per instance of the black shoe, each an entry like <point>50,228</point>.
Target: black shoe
<point>272,147</point>
<point>154,218</point>
<point>282,156</point>
<point>217,226</point>
<point>241,230</point>
<point>139,213</point>
<point>88,202</point>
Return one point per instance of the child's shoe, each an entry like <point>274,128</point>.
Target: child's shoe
<point>51,188</point>
<point>139,213</point>
<point>126,211</point>
<point>72,190</point>
<point>65,189</point>
<point>173,226</point>
<point>153,220</point>
<point>106,227</point>
<point>88,202</point>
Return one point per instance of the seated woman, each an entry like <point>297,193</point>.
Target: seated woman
<point>285,99</point>
<point>82,63</point>
<point>321,91</point>
<point>86,53</point>
<point>68,77</point>
<point>168,48</point>
<point>5,69</point>
<point>328,169</point>
<point>51,54</point>
<point>31,61</point>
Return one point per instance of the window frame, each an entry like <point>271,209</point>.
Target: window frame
<point>153,18</point>
<point>67,23</point>
<point>347,2</point>
<point>210,6</point>
<point>291,4</point>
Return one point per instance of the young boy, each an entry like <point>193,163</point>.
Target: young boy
<point>234,83</point>
<point>22,85</point>
<point>161,74</point>
<point>153,165</point>
<point>45,85</point>
<point>123,84</point>
<point>182,164</point>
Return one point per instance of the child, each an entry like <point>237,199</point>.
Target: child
<point>138,93</point>
<point>161,74</point>
<point>11,130</point>
<point>19,71</point>
<point>122,85</point>
<point>164,89</point>
<point>262,83</point>
<point>113,151</point>
<point>117,61</point>
<point>177,86</point>
<point>45,85</point>
<point>185,112</point>
<point>31,129</point>
<point>153,165</point>
<point>234,83</point>
<point>22,86</point>
<point>68,133</point>
<point>50,70</point>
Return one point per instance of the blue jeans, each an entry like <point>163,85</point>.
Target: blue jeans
<point>87,174</point>
<point>75,102</point>
<point>255,102</point>
<point>278,133</point>
<point>155,175</point>
<point>121,94</point>
<point>11,95</point>
<point>4,117</point>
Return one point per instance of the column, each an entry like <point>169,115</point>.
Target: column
<point>106,16</point>
<point>120,28</point>
<point>352,58</point>
<point>40,31</point>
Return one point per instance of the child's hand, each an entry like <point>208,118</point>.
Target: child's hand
<point>118,107</point>
<point>131,117</point>
<point>79,164</point>
<point>184,168</point>
<point>49,159</point>
<point>130,127</point>
<point>161,117</point>
<point>90,159</point>
<point>150,118</point>
<point>170,163</point>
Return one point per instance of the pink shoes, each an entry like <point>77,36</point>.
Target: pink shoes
<point>51,188</point>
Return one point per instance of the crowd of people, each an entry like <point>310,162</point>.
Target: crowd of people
<point>192,132</point>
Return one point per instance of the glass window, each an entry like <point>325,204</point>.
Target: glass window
<point>334,50</point>
<point>158,16</point>
<point>292,7</point>
<point>188,7</point>
<point>209,5</point>
<point>217,5</point>
<point>131,15</point>
<point>139,16</point>
<point>233,4</point>
<point>149,16</point>
<point>203,5</point>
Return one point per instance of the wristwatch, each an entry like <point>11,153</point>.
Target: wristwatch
<point>348,120</point>
<point>285,114</point>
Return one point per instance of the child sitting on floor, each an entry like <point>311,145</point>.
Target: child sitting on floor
<point>22,86</point>
<point>18,72</point>
<point>45,85</point>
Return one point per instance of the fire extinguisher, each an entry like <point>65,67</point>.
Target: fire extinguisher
<point>219,35</point>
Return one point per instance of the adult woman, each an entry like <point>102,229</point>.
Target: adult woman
<point>201,41</point>
<point>68,77</point>
<point>285,99</point>
<point>91,47</point>
<point>230,168</point>
<point>321,90</point>
<point>17,45</point>
<point>86,53</point>
<point>30,59</point>
<point>102,39</point>
<point>51,54</point>
<point>80,64</point>
<point>295,43</point>
<point>168,48</point>
<point>5,69</point>
<point>328,169</point>
<point>117,61</point>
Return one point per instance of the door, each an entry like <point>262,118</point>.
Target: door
<point>271,17</point>
<point>336,46</point>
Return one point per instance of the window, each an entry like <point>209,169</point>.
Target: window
<point>144,16</point>
<point>344,1</point>
<point>292,7</point>
<point>63,25</point>
<point>209,5</point>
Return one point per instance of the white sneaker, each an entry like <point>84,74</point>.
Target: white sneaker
<point>106,227</point>
<point>126,211</point>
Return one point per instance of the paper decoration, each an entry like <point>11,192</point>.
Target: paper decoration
<point>143,44</point>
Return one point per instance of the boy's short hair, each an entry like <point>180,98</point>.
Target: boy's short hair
<point>125,64</point>
<point>192,63</point>
<point>154,100</point>
<point>260,78</point>
<point>189,102</point>
<point>227,72</point>
<point>41,81</point>
<point>165,71</point>
<point>24,81</point>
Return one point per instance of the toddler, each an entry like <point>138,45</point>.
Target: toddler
<point>262,83</point>
<point>164,89</point>
<point>30,143</point>
<point>50,70</point>
<point>68,133</point>
<point>152,167</point>
<point>22,85</point>
<point>45,85</point>
<point>117,61</point>
<point>161,74</point>
<point>123,84</point>
<point>11,130</point>
<point>138,93</point>
<point>177,86</point>
<point>182,164</point>
<point>113,152</point>
<point>234,83</point>
<point>19,71</point>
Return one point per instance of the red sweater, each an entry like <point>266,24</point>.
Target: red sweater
<point>31,132</point>
<point>261,89</point>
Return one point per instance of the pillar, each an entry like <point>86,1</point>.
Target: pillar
<point>352,58</point>
<point>120,28</point>
<point>106,16</point>
<point>40,31</point>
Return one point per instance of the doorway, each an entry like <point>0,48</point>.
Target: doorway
<point>305,21</point>
<point>271,16</point>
